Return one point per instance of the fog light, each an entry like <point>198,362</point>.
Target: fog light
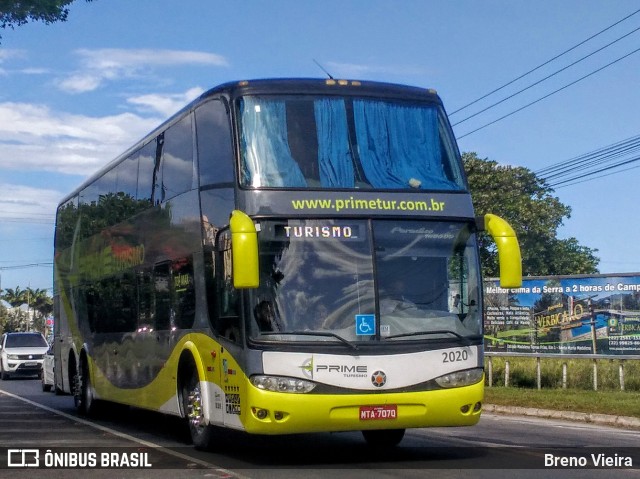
<point>477,407</point>
<point>278,415</point>
<point>260,413</point>
<point>465,409</point>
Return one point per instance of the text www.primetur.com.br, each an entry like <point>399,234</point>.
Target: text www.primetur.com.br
<point>361,204</point>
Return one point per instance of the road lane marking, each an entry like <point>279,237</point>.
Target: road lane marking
<point>223,472</point>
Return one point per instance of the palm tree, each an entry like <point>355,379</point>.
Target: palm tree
<point>15,297</point>
<point>42,306</point>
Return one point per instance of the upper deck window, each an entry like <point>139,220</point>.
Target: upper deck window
<point>344,142</point>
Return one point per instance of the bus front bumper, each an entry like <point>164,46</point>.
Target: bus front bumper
<point>285,413</point>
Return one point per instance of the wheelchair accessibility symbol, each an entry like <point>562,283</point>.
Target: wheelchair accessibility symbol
<point>365,324</point>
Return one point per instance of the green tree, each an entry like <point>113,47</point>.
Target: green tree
<point>41,305</point>
<point>4,316</point>
<point>16,319</point>
<point>527,203</point>
<point>14,13</point>
<point>15,297</point>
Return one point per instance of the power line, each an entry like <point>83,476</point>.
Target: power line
<point>600,155</point>
<point>601,176</point>
<point>549,94</point>
<point>23,266</point>
<point>545,78</point>
<point>543,64</point>
<point>30,214</point>
<point>578,176</point>
<point>40,221</point>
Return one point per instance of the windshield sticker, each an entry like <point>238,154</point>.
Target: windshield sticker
<point>385,330</point>
<point>365,324</point>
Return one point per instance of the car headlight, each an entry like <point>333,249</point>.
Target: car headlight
<point>460,378</point>
<point>12,356</point>
<point>282,384</point>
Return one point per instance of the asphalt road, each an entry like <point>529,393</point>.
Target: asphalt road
<point>499,447</point>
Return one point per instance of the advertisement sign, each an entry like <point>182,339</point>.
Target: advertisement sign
<point>597,314</point>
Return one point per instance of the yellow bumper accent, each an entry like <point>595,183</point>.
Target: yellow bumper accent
<point>295,413</point>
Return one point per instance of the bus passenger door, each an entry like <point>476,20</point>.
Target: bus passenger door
<point>224,310</point>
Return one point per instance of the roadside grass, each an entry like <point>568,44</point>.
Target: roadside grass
<point>617,403</point>
<point>579,395</point>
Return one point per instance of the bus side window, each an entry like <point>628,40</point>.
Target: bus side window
<point>215,150</point>
<point>145,298</point>
<point>162,295</point>
<point>146,165</point>
<point>177,160</point>
<point>184,306</point>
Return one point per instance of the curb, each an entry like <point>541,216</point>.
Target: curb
<point>591,418</point>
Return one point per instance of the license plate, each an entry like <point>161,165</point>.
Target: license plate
<point>372,413</point>
<point>30,364</point>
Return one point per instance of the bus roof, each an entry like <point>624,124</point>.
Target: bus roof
<point>322,86</point>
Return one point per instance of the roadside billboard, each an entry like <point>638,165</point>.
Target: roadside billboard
<point>597,314</point>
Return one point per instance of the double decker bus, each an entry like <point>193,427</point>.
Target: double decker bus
<point>281,256</point>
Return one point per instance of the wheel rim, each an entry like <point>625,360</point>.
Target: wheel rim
<point>195,411</point>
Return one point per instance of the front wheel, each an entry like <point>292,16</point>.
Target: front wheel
<point>3,374</point>
<point>383,437</point>
<point>202,434</point>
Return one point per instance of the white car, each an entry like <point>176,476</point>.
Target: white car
<point>46,373</point>
<point>21,354</point>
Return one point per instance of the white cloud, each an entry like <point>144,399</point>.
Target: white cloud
<point>6,54</point>
<point>80,83</point>
<point>20,202</point>
<point>33,136</point>
<point>165,104</point>
<point>111,64</point>
<point>37,137</point>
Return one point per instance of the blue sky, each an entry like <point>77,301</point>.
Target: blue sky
<point>74,95</point>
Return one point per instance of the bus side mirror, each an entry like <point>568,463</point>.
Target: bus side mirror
<point>244,249</point>
<point>509,256</point>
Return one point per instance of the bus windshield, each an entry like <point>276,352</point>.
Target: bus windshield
<point>365,280</point>
<point>346,142</point>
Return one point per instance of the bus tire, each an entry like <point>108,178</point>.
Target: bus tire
<point>83,397</point>
<point>383,437</point>
<point>202,435</point>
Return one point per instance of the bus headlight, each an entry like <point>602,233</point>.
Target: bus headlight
<point>460,378</point>
<point>282,384</point>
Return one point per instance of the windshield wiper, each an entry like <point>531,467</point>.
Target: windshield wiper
<point>466,340</point>
<point>311,333</point>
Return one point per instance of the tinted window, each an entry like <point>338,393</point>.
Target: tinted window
<point>66,220</point>
<point>111,304</point>
<point>146,165</point>
<point>215,151</point>
<point>177,160</point>
<point>25,341</point>
<point>127,176</point>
